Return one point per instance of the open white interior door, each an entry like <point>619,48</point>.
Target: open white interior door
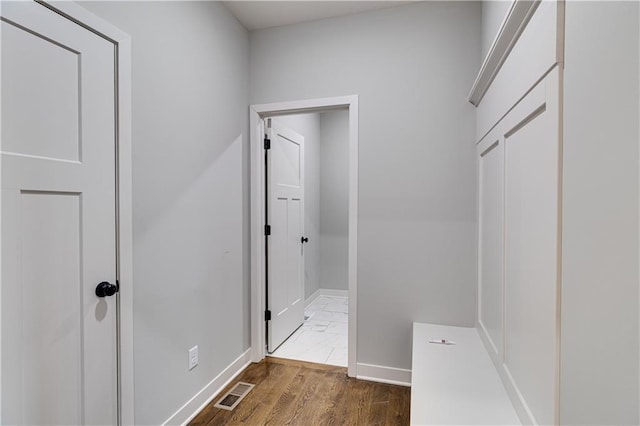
<point>285,217</point>
<point>58,359</point>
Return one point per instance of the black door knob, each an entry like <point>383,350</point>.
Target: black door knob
<point>304,240</point>
<point>106,289</point>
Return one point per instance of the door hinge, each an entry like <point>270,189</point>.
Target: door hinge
<point>267,230</point>
<point>267,315</point>
<point>267,143</point>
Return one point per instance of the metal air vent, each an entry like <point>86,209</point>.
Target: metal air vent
<point>231,399</point>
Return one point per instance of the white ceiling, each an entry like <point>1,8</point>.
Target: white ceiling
<point>255,15</point>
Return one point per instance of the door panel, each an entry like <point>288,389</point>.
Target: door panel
<point>287,158</point>
<point>490,171</point>
<point>278,300</point>
<point>531,220</point>
<point>285,216</point>
<point>58,220</point>
<point>294,251</point>
<point>51,284</point>
<point>32,63</point>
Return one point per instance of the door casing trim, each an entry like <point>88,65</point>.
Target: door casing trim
<point>257,112</point>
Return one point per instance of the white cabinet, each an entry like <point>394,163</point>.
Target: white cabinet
<point>519,217</point>
<point>558,210</point>
<point>519,190</point>
<point>531,249</point>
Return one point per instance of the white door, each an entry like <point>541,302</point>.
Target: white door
<point>285,216</point>
<point>58,361</point>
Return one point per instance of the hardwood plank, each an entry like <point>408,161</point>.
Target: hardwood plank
<point>399,405</point>
<point>358,398</point>
<point>262,402</point>
<point>377,413</point>
<point>285,407</point>
<point>307,396</point>
<point>303,393</point>
<point>331,393</point>
<point>254,373</point>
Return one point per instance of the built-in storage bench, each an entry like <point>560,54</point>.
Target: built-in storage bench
<point>455,383</point>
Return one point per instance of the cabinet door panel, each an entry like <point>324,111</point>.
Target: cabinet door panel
<point>519,185</point>
<point>531,212</point>
<point>490,208</point>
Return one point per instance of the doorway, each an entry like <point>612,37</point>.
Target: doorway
<point>259,248</point>
<point>311,148</point>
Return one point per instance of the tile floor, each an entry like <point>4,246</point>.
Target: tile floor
<point>323,335</point>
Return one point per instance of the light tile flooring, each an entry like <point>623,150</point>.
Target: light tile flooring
<point>323,335</point>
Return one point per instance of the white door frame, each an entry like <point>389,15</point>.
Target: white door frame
<point>124,258</point>
<point>257,112</point>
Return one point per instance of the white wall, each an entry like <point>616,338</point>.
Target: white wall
<point>600,330</point>
<point>493,14</point>
<point>190,195</point>
<point>334,200</point>
<point>308,125</point>
<point>412,67</point>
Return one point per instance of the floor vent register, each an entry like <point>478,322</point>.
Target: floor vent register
<point>231,399</point>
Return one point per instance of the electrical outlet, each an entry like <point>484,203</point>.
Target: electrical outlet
<point>193,357</point>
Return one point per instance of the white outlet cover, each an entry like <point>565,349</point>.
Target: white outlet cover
<point>193,357</point>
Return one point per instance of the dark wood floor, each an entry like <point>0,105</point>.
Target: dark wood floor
<point>301,393</point>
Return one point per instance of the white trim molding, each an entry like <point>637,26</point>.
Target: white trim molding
<point>513,25</point>
<point>257,113</point>
<point>199,401</point>
<point>309,300</point>
<point>328,292</point>
<point>382,374</point>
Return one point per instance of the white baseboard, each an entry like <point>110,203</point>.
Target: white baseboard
<point>309,300</point>
<point>333,293</point>
<point>379,373</point>
<point>188,411</point>
<point>329,292</point>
